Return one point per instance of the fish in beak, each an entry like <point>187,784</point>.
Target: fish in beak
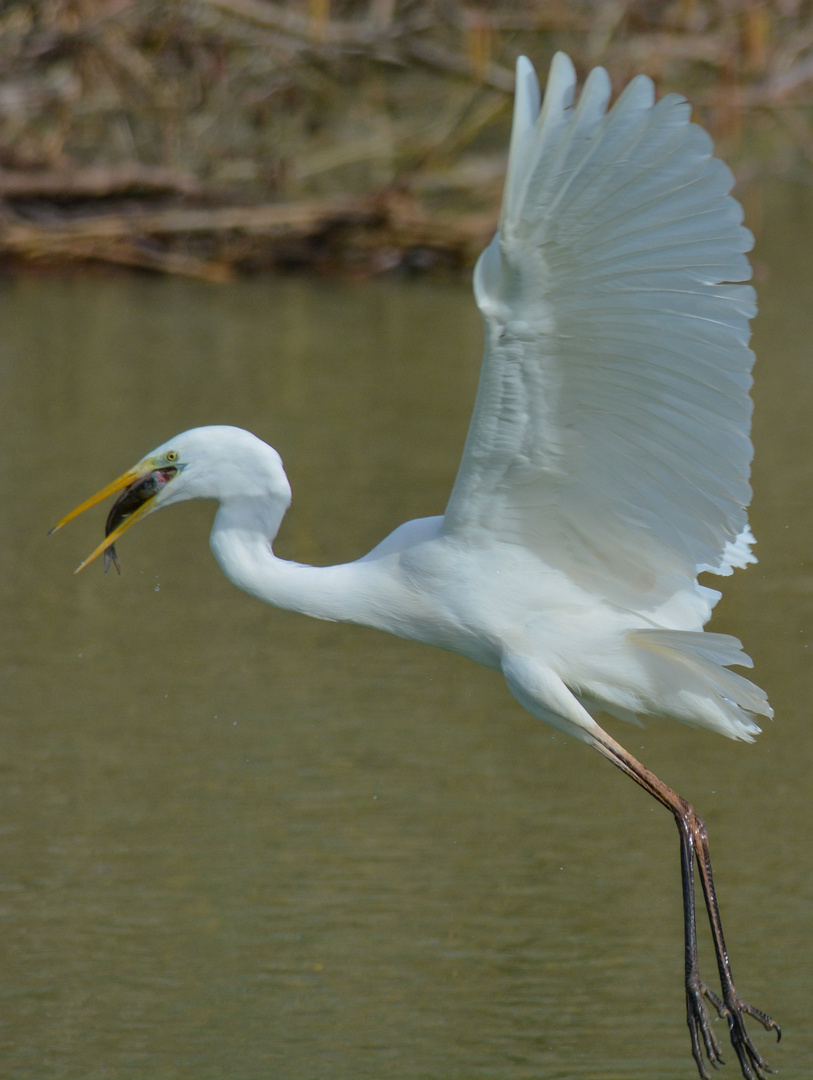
<point>139,486</point>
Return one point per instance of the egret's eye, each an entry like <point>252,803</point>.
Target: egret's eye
<point>172,455</point>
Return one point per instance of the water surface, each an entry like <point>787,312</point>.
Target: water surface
<point>238,843</point>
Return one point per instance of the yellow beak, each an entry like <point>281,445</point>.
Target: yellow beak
<point>132,476</point>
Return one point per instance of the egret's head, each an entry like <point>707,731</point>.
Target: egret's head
<point>210,462</point>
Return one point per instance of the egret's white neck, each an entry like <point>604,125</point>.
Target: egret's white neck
<point>241,540</point>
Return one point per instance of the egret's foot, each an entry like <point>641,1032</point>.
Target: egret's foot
<point>735,1010</point>
<point>700,1026</point>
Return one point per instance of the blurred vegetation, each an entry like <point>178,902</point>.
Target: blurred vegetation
<point>199,136</point>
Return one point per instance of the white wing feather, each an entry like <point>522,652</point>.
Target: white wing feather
<point>610,432</point>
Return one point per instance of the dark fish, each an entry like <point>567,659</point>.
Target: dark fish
<point>111,557</point>
<point>132,499</point>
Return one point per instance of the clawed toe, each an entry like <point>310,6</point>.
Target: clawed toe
<point>753,1065</point>
<point>705,1048</point>
<point>700,1028</point>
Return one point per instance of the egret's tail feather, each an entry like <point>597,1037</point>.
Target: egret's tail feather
<point>690,672</point>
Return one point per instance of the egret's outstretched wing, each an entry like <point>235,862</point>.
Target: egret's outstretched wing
<point>610,432</point>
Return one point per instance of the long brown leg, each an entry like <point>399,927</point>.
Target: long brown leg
<point>694,846</point>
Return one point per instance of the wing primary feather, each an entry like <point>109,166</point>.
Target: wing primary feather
<point>531,139</point>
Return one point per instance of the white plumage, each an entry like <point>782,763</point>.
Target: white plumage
<point>606,464</point>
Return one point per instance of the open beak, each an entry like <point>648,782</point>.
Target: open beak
<point>139,485</point>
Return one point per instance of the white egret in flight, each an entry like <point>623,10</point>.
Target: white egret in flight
<point>606,463</point>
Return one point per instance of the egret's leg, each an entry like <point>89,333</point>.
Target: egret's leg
<point>696,990</point>
<point>732,1007</point>
<point>694,845</point>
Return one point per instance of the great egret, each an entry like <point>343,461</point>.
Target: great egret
<point>605,467</point>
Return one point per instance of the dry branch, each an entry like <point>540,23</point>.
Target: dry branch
<point>99,182</point>
<point>388,222</point>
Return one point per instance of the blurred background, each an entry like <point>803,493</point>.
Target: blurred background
<point>206,136</point>
<point>237,843</point>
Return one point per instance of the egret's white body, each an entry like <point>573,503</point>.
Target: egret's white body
<point>606,464</point>
<point>491,600</point>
